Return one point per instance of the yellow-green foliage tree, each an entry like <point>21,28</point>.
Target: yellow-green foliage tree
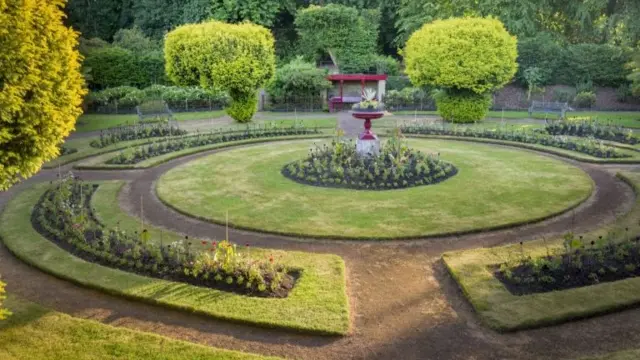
<point>41,88</point>
<point>468,58</point>
<point>237,58</point>
<point>3,312</point>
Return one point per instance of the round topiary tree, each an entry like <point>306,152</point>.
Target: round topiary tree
<point>41,88</point>
<point>468,58</point>
<point>236,58</point>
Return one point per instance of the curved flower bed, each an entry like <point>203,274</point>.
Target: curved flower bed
<point>397,166</point>
<point>142,153</point>
<point>63,215</point>
<point>591,147</point>
<point>591,128</point>
<point>134,132</point>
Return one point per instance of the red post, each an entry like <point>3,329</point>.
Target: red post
<point>362,87</point>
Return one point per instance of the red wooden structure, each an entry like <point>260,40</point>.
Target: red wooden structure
<point>362,78</point>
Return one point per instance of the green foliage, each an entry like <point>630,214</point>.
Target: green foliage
<point>41,86</point>
<point>533,76</point>
<point>238,59</point>
<point>298,78</point>
<point>585,99</point>
<point>261,12</point>
<point>135,40</point>
<point>563,95</point>
<point>157,17</point>
<point>242,109</point>
<point>542,52</point>
<point>99,19</point>
<point>114,66</point>
<point>348,36</point>
<point>3,312</point>
<point>462,107</point>
<point>604,65</point>
<point>473,54</point>
<point>634,77</point>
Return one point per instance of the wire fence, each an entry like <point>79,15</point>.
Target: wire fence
<point>179,106</point>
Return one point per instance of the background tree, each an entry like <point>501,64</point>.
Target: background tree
<point>634,77</point>
<point>238,59</point>
<point>468,58</point>
<point>99,18</point>
<point>261,12</point>
<point>41,85</point>
<point>298,78</point>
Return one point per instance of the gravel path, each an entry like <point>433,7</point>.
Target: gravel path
<point>404,305</point>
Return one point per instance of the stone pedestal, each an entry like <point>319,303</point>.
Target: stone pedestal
<point>368,147</point>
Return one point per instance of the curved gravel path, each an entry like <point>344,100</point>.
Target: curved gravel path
<point>404,305</point>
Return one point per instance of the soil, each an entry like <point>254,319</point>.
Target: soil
<point>577,269</point>
<point>421,314</point>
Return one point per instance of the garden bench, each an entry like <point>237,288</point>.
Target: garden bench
<point>156,110</point>
<point>334,100</point>
<point>555,107</point>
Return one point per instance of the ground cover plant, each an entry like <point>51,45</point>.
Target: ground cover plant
<point>134,132</point>
<point>270,130</point>
<point>397,166</point>
<point>37,333</point>
<point>589,128</point>
<point>63,215</point>
<point>587,146</point>
<point>581,262</point>
<point>495,186</point>
<point>498,307</point>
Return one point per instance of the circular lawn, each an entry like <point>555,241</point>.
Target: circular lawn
<point>495,187</point>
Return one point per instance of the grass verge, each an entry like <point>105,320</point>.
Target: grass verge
<point>37,333</point>
<point>94,122</point>
<point>502,311</point>
<point>318,303</point>
<point>496,187</point>
<point>99,162</point>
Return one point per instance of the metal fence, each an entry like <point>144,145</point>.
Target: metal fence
<point>116,107</point>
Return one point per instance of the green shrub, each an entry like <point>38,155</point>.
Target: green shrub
<point>624,93</point>
<point>585,99</point>
<point>563,95</point>
<point>238,59</point>
<point>603,65</point>
<point>3,312</point>
<point>542,52</point>
<point>462,107</point>
<point>114,66</point>
<point>474,54</point>
<point>241,109</point>
<point>298,78</point>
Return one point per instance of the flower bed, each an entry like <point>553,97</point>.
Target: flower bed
<point>142,153</point>
<point>64,216</point>
<point>67,150</point>
<point>591,147</point>
<point>134,132</point>
<point>582,262</point>
<point>591,128</point>
<point>397,166</point>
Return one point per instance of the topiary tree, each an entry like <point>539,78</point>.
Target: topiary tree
<point>468,58</point>
<point>41,88</point>
<point>238,59</point>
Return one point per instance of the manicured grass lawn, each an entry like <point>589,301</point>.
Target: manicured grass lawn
<point>93,122</point>
<point>495,186</point>
<point>85,150</point>
<point>36,333</point>
<point>621,118</point>
<point>317,304</point>
<point>501,310</point>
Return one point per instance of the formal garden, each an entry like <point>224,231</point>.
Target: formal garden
<point>350,180</point>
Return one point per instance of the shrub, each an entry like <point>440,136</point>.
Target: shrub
<point>298,78</point>
<point>585,99</point>
<point>41,86</point>
<point>407,97</point>
<point>114,66</point>
<point>624,93</point>
<point>542,52</point>
<point>604,65</point>
<point>3,312</point>
<point>563,95</point>
<point>238,59</point>
<point>473,54</point>
<point>462,107</point>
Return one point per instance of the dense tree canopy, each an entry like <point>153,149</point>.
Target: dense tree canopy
<point>236,58</point>
<point>41,85</point>
<point>298,78</point>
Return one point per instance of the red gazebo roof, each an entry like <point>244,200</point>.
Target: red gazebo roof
<point>356,77</point>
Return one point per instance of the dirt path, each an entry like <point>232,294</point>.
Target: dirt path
<point>404,305</point>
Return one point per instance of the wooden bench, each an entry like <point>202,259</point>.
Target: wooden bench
<point>334,100</point>
<point>559,108</point>
<point>157,110</point>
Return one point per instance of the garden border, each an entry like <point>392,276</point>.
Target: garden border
<point>24,242</point>
<point>503,311</point>
<point>361,238</point>
<point>541,148</point>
